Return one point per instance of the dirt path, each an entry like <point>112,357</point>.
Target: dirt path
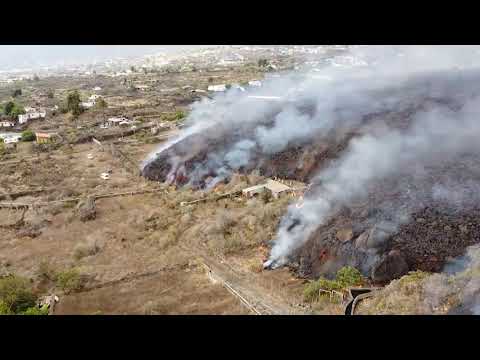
<point>244,286</point>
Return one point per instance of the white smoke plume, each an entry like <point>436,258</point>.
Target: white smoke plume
<point>437,136</point>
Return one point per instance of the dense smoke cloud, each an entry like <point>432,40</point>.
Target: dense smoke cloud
<point>235,129</point>
<point>437,136</point>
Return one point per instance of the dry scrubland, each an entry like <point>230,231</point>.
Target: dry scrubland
<point>139,254</point>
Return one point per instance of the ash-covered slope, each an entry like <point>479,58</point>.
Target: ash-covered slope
<point>391,151</point>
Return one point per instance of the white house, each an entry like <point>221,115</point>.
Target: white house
<point>23,118</point>
<point>217,88</point>
<point>31,114</point>
<point>87,104</point>
<point>115,121</point>
<point>94,97</point>
<point>142,87</point>
<point>7,123</point>
<point>12,139</point>
<point>38,114</point>
<point>92,100</point>
<point>97,88</point>
<point>254,83</point>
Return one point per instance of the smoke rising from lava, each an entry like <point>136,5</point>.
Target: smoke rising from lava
<point>319,104</point>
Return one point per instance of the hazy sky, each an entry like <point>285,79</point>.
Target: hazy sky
<point>24,56</point>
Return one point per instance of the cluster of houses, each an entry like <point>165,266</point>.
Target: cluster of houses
<point>41,137</point>
<point>30,114</point>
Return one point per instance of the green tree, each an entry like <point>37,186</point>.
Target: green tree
<point>262,62</point>
<point>16,295</point>
<point>50,94</point>
<point>28,135</point>
<point>13,110</point>
<point>8,108</point>
<point>17,92</point>
<point>73,103</point>
<point>35,77</point>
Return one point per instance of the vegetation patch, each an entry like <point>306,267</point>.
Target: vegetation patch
<point>69,280</point>
<point>345,278</point>
<point>17,297</point>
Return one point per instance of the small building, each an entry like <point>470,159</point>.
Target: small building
<point>31,114</point>
<point>97,88</point>
<point>127,122</point>
<point>116,121</point>
<point>7,123</point>
<point>23,118</point>
<point>255,83</point>
<point>277,188</point>
<point>41,114</point>
<point>43,138</point>
<point>87,104</point>
<point>253,190</point>
<point>142,87</point>
<point>217,88</point>
<point>13,139</point>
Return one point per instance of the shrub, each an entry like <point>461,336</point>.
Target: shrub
<point>179,115</point>
<point>262,62</point>
<point>101,103</point>
<point>85,249</point>
<point>346,277</point>
<point>36,311</point>
<point>15,295</point>
<point>349,276</point>
<point>69,280</point>
<point>28,135</point>
<point>4,309</point>
<point>17,92</point>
